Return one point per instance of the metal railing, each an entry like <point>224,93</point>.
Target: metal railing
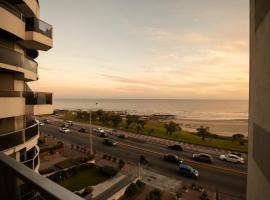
<point>38,98</point>
<point>37,25</point>
<point>15,138</point>
<point>18,180</point>
<point>17,59</point>
<point>12,10</point>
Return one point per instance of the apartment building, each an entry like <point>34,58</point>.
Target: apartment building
<point>22,36</point>
<point>259,109</point>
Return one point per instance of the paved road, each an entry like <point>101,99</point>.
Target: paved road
<point>232,183</point>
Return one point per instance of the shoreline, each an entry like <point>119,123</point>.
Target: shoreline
<point>223,127</point>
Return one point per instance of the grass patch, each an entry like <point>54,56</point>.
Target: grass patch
<point>156,129</point>
<point>86,177</point>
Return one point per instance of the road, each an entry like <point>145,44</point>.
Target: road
<point>226,177</point>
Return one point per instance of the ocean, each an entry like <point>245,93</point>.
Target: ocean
<point>182,109</point>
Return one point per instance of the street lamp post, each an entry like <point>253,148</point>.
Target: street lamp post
<point>90,130</point>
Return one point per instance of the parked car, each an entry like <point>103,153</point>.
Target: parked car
<point>46,121</point>
<point>102,134</point>
<point>186,170</point>
<point>64,125</point>
<point>99,130</point>
<point>176,147</point>
<point>237,154</point>
<point>70,123</point>
<point>83,130</point>
<point>122,135</point>
<point>172,158</point>
<point>109,142</point>
<point>64,130</point>
<point>202,157</point>
<point>232,158</point>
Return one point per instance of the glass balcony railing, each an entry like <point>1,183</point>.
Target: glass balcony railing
<point>37,25</point>
<point>38,98</point>
<point>32,158</point>
<point>15,138</point>
<point>17,59</point>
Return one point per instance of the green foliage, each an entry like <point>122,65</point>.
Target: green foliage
<point>155,194</point>
<point>171,127</point>
<point>108,171</point>
<point>203,132</point>
<point>116,120</point>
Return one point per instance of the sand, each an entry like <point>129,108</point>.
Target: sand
<point>220,127</point>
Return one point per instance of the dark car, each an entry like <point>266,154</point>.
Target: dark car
<point>109,142</point>
<point>186,170</point>
<point>176,147</point>
<point>83,130</point>
<point>202,157</point>
<point>122,135</point>
<point>103,134</point>
<point>172,158</point>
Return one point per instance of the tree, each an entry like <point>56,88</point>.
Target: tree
<point>203,132</point>
<point>100,114</point>
<point>131,119</point>
<point>141,122</point>
<point>238,137</point>
<point>171,127</point>
<point>116,120</point>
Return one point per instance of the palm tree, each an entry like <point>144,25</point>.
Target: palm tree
<point>203,132</point>
<point>171,127</point>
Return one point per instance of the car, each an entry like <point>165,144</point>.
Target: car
<point>70,123</point>
<point>172,158</point>
<point>109,142</point>
<point>232,158</point>
<point>102,134</point>
<point>237,154</point>
<point>46,121</point>
<point>176,147</point>
<point>99,130</point>
<point>83,130</point>
<point>122,136</point>
<point>202,157</point>
<point>186,170</point>
<point>64,130</point>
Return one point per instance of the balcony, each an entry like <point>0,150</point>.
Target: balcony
<point>12,21</point>
<point>38,103</point>
<point>12,104</point>
<point>30,8</point>
<point>38,35</point>
<point>19,182</point>
<point>15,61</point>
<point>25,138</point>
<point>32,160</point>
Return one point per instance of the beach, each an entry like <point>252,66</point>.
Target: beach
<point>220,127</point>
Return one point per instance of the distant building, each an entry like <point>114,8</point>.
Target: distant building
<point>22,34</point>
<point>259,111</point>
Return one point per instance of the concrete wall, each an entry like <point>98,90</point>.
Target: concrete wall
<point>11,23</point>
<point>39,109</point>
<point>259,108</point>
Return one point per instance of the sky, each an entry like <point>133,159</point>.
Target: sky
<point>180,49</point>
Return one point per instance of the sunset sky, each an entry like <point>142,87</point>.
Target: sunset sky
<point>146,49</point>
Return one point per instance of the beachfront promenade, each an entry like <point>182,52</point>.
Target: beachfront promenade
<point>227,177</point>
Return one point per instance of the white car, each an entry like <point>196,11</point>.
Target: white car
<point>41,123</point>
<point>99,130</point>
<point>64,130</point>
<point>232,158</point>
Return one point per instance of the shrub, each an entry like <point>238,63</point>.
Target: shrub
<point>104,156</point>
<point>114,159</point>
<point>155,194</point>
<point>108,171</point>
<point>140,184</point>
<point>131,190</point>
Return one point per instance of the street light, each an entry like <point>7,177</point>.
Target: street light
<point>90,130</point>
